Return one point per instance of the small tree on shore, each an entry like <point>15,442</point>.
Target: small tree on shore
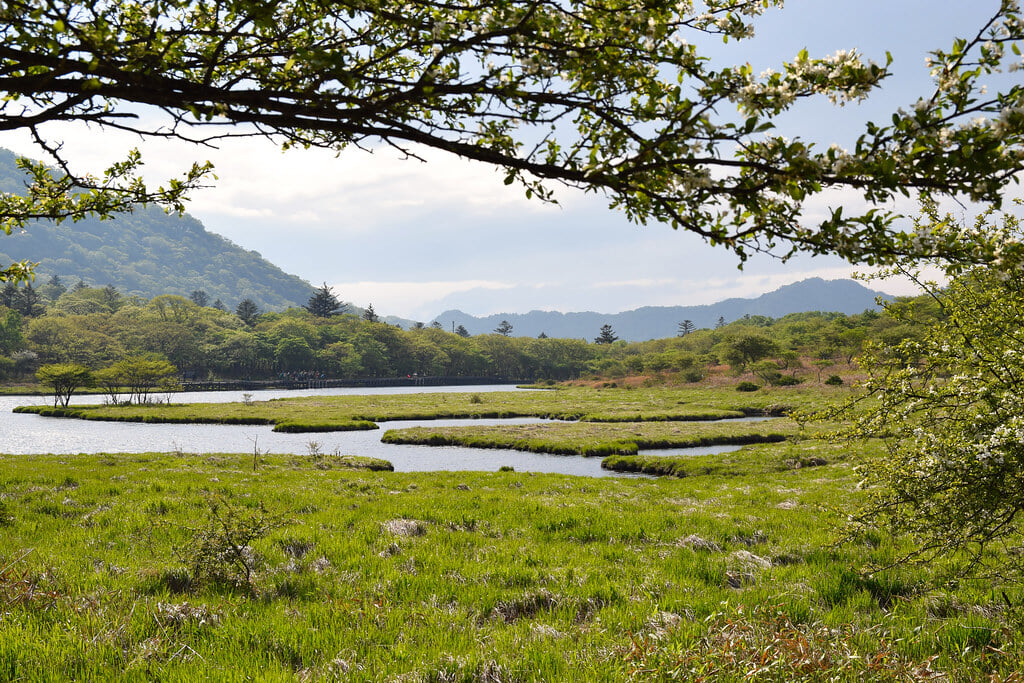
<point>64,379</point>
<point>137,376</point>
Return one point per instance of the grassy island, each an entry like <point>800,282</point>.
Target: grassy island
<point>337,413</point>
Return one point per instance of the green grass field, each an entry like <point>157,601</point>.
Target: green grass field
<point>182,567</point>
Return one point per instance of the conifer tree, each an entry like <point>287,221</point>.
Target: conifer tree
<point>607,335</point>
<point>323,303</point>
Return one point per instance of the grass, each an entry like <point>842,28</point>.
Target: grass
<point>467,576</point>
<point>184,567</point>
<point>597,439</point>
<point>362,412</point>
<point>767,461</point>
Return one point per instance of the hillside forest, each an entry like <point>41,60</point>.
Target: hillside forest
<point>146,252</point>
<point>98,327</point>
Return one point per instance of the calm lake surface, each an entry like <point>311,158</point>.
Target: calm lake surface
<point>22,433</point>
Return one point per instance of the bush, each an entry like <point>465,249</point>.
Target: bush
<point>834,381</point>
<point>787,381</point>
<point>6,367</point>
<point>947,399</point>
<point>220,552</point>
<point>747,386</point>
<point>692,375</point>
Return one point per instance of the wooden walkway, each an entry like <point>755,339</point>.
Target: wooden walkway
<point>288,383</point>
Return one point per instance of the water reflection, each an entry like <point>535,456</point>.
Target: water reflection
<point>26,433</point>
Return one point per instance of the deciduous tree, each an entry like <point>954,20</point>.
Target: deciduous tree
<point>11,338</point>
<point>199,297</point>
<point>140,375</point>
<point>613,98</point>
<point>949,402</point>
<point>743,349</point>
<point>64,379</point>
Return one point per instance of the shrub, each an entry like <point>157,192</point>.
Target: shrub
<point>747,386</point>
<point>692,375</point>
<point>786,381</point>
<point>834,381</point>
<point>220,551</point>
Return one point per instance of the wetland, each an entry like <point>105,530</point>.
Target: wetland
<point>181,563</point>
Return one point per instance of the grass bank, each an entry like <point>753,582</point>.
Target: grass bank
<point>596,438</point>
<point>184,567</point>
<point>328,413</point>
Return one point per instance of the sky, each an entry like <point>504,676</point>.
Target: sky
<point>415,239</point>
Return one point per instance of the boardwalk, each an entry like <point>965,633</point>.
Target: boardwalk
<point>288,383</point>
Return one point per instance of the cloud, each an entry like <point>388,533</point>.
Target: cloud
<point>409,299</point>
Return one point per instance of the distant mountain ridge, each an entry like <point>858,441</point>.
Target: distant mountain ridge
<point>148,253</point>
<point>658,322</point>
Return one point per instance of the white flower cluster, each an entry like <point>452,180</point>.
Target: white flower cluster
<point>772,91</point>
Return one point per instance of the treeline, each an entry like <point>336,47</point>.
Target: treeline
<point>97,327</point>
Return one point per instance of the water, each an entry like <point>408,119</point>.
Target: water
<point>26,433</point>
<point>696,450</point>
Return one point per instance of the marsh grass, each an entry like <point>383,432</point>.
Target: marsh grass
<point>598,438</point>
<point>182,567</point>
<point>361,412</point>
<point>437,576</point>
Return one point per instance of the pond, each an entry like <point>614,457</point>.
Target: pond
<point>26,433</point>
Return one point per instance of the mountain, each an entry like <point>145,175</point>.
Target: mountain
<point>148,253</point>
<point>658,322</point>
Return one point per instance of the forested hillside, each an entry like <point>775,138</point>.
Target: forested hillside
<point>148,253</point>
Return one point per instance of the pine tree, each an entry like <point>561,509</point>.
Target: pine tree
<point>504,328</point>
<point>607,335</point>
<point>323,303</point>
<point>29,303</point>
<point>686,327</point>
<point>247,311</point>
<point>370,315</point>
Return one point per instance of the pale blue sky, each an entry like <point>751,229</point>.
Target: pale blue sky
<point>415,239</point>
